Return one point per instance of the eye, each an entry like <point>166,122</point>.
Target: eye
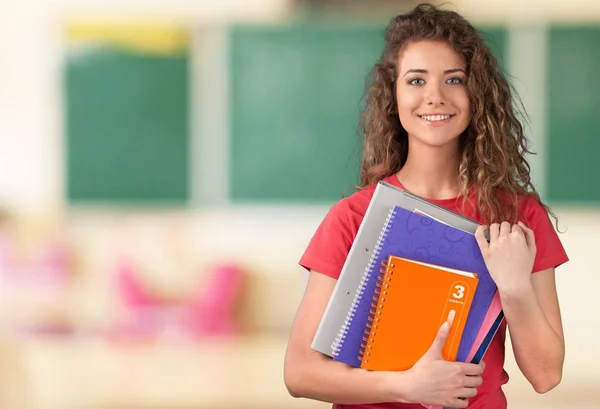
<point>416,81</point>
<point>454,81</point>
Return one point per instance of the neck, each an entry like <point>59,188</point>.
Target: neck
<point>431,172</point>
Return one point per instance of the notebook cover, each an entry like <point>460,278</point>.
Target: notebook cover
<point>415,236</point>
<point>491,316</point>
<point>414,299</point>
<point>488,339</point>
<point>360,255</point>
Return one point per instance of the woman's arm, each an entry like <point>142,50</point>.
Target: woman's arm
<point>310,374</point>
<point>529,302</point>
<point>534,321</point>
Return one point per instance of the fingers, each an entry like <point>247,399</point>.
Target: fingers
<point>505,228</point>
<point>494,232</point>
<point>529,235</point>
<point>480,237</point>
<point>471,369</point>
<point>464,395</point>
<point>517,229</point>
<point>435,351</point>
<point>467,392</point>
<point>472,381</point>
<point>459,403</point>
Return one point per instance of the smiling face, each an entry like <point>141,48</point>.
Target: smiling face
<point>433,102</point>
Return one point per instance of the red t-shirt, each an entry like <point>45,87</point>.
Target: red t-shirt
<point>329,247</point>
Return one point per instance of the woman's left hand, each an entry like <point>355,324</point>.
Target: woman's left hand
<point>509,255</point>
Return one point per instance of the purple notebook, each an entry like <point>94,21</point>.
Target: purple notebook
<point>418,237</point>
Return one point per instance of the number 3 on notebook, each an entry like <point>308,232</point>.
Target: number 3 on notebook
<point>460,292</point>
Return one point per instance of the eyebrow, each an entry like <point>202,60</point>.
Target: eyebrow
<point>446,72</point>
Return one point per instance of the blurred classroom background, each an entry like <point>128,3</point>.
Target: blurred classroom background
<point>165,163</point>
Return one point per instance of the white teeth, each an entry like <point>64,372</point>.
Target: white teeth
<point>435,117</point>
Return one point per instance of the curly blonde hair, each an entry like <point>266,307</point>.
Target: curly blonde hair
<point>493,147</point>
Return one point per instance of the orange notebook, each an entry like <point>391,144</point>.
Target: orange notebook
<point>412,301</point>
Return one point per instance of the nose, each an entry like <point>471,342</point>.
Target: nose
<point>434,95</point>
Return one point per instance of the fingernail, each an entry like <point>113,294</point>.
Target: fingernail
<point>451,315</point>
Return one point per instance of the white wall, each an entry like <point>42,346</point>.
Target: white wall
<point>515,10</point>
<point>29,142</point>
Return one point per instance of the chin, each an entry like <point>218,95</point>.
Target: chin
<point>438,141</point>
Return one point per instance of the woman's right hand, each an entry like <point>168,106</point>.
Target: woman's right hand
<point>435,381</point>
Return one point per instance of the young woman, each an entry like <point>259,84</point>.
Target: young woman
<point>440,122</point>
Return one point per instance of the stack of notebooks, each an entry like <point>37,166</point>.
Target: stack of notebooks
<point>412,265</point>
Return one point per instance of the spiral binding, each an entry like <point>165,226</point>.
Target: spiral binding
<point>338,341</point>
<point>375,312</point>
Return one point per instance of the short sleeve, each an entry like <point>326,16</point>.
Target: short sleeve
<point>331,243</point>
<point>550,251</point>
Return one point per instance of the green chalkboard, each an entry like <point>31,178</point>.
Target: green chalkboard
<point>573,119</point>
<point>126,126</point>
<point>495,38</point>
<point>297,94</point>
<point>295,105</point>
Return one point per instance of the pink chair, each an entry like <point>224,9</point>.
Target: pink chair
<point>139,308</point>
<point>210,311</point>
<point>213,310</point>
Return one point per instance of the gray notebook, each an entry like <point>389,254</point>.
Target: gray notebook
<point>360,256</point>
